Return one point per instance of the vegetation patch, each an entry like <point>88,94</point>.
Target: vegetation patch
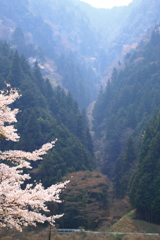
<point>129,223</point>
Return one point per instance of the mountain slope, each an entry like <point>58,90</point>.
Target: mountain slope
<point>128,102</point>
<point>66,35</point>
<point>145,181</point>
<point>51,31</point>
<point>122,28</point>
<point>46,114</point>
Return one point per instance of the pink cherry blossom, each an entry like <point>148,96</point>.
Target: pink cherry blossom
<point>21,207</point>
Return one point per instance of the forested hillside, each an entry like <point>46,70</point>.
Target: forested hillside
<point>121,28</point>
<point>59,36</point>
<point>46,114</point>
<point>144,187</point>
<point>75,43</point>
<point>124,109</point>
<point>59,54</point>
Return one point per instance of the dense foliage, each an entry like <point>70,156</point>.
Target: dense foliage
<point>75,46</point>
<point>124,168</point>
<point>46,114</point>
<point>144,187</point>
<point>86,200</point>
<point>124,108</point>
<point>21,206</point>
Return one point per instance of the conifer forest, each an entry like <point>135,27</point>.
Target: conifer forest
<point>79,119</point>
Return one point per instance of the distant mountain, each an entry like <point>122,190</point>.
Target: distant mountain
<point>50,31</point>
<point>67,52</point>
<point>74,43</point>
<point>122,28</point>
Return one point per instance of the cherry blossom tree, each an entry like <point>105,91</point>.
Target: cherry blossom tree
<point>21,206</point>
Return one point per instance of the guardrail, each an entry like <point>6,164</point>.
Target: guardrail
<point>68,231</point>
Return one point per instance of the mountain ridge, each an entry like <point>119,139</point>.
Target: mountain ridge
<point>94,39</point>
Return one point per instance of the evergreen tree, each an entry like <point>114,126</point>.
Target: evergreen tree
<point>45,114</point>
<point>15,76</point>
<point>128,103</point>
<point>143,192</point>
<point>124,168</point>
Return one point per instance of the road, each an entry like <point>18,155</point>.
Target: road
<point>68,231</point>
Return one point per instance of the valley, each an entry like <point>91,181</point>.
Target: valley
<point>90,78</point>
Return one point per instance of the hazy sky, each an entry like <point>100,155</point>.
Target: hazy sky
<point>107,3</point>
